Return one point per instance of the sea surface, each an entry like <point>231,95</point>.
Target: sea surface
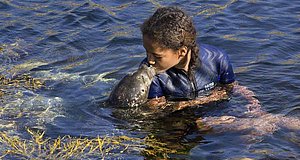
<point>60,60</point>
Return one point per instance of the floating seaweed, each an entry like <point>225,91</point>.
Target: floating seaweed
<point>67,147</point>
<point>24,80</point>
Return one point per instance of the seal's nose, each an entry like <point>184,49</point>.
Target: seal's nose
<point>151,60</point>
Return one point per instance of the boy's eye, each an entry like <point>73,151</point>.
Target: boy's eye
<point>157,57</point>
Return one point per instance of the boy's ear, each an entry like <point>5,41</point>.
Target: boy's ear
<point>183,51</point>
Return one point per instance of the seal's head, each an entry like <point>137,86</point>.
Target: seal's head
<point>133,89</point>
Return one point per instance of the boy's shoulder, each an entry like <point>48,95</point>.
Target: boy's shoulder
<point>210,48</point>
<point>208,51</point>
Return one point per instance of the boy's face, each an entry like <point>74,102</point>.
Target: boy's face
<point>161,58</point>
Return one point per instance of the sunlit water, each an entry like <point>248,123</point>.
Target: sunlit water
<point>80,49</point>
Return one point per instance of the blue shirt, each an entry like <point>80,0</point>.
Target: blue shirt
<point>175,84</point>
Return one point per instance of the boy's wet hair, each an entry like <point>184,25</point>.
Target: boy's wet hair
<point>172,28</point>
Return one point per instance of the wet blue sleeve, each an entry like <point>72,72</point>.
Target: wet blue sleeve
<point>226,71</point>
<point>155,89</point>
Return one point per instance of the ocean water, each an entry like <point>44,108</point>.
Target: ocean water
<point>80,49</point>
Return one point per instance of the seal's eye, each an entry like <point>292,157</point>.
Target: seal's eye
<point>143,90</point>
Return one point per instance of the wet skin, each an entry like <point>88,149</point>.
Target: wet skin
<point>163,58</point>
<point>256,123</point>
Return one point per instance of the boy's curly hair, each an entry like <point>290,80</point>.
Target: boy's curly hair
<point>173,28</point>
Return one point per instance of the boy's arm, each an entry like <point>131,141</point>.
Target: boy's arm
<point>160,103</point>
<point>217,94</point>
<point>254,104</point>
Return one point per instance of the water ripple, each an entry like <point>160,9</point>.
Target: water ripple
<point>82,48</point>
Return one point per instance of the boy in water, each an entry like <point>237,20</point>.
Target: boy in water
<point>186,70</point>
